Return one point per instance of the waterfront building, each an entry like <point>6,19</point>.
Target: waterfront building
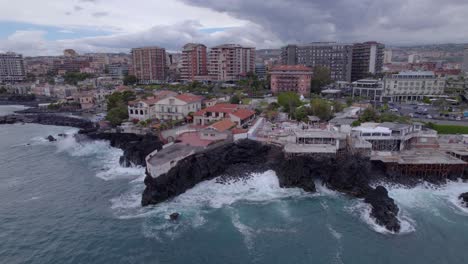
<point>412,86</point>
<point>230,62</point>
<point>367,60</point>
<point>11,67</point>
<point>337,57</point>
<point>291,78</point>
<point>194,62</point>
<point>149,64</point>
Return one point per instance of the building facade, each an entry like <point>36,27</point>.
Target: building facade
<point>230,62</point>
<point>291,78</point>
<point>233,112</point>
<point>368,58</point>
<point>117,70</point>
<point>465,60</point>
<point>149,64</point>
<point>11,67</point>
<point>335,56</point>
<point>368,88</point>
<point>194,62</point>
<point>412,86</point>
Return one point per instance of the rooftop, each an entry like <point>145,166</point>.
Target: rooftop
<point>171,153</point>
<point>223,125</point>
<point>291,68</point>
<point>421,156</point>
<point>309,148</point>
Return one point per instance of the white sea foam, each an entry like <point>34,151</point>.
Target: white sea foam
<point>363,210</point>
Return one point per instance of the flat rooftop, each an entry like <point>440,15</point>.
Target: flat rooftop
<point>171,153</point>
<point>310,148</point>
<point>417,157</point>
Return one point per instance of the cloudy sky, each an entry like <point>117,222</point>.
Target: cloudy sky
<point>46,27</point>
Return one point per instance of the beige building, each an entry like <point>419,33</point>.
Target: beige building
<point>412,86</point>
<point>230,62</point>
<point>149,64</point>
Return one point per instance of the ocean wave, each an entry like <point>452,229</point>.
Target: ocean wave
<point>363,211</point>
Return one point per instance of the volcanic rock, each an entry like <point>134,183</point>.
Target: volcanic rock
<point>51,138</point>
<point>464,199</point>
<point>384,209</point>
<point>174,216</point>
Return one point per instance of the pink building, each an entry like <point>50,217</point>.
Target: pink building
<point>291,78</point>
<point>194,62</point>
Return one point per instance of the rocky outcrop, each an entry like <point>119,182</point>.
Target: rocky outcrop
<point>384,209</point>
<point>464,199</point>
<point>135,147</point>
<point>51,138</point>
<point>47,119</point>
<point>349,174</point>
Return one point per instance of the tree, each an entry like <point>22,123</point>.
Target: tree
<point>321,108</point>
<point>369,115</point>
<point>117,106</point>
<point>289,101</point>
<point>130,80</point>
<point>117,115</point>
<point>300,114</point>
<point>426,100</point>
<point>235,99</point>
<point>73,78</point>
<point>3,90</point>
<point>320,78</point>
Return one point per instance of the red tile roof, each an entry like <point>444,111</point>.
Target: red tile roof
<point>223,125</point>
<point>243,113</point>
<point>219,108</point>
<point>189,98</point>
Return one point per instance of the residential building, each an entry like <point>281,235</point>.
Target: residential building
<point>465,60</point>
<point>11,67</point>
<point>367,60</point>
<point>388,56</point>
<point>171,107</point>
<point>194,62</point>
<point>235,113</point>
<point>368,88</point>
<point>230,62</point>
<point>149,64</point>
<point>87,100</point>
<point>118,70</point>
<point>261,71</point>
<point>337,57</point>
<point>291,78</point>
<point>412,86</point>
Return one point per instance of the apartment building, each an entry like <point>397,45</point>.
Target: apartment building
<point>230,62</point>
<point>291,78</point>
<point>335,56</point>
<point>11,67</point>
<point>412,86</point>
<point>194,62</point>
<point>218,112</point>
<point>149,64</point>
<point>368,58</point>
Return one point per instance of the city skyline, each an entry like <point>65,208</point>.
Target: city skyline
<point>102,26</point>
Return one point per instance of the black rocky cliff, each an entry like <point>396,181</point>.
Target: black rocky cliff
<point>135,147</point>
<point>349,174</point>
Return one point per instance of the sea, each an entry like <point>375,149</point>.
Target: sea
<point>70,202</point>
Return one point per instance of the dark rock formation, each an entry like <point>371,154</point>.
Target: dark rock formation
<point>174,216</point>
<point>464,199</point>
<point>47,119</point>
<point>135,147</point>
<point>51,138</point>
<point>384,209</point>
<point>349,174</point>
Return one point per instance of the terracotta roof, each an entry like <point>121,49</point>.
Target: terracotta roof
<point>291,68</point>
<point>219,108</point>
<point>164,93</point>
<point>189,98</point>
<point>236,131</point>
<point>243,113</point>
<point>223,125</point>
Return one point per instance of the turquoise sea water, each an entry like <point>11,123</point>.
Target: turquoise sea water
<point>65,202</point>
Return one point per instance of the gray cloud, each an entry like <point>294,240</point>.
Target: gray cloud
<point>100,14</point>
<point>396,21</point>
<point>77,8</point>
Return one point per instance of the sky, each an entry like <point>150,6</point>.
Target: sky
<point>47,27</point>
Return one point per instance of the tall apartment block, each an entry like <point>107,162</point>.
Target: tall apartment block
<point>230,62</point>
<point>194,62</point>
<point>149,64</point>
<point>335,56</point>
<point>368,58</point>
<point>11,67</point>
<point>465,60</point>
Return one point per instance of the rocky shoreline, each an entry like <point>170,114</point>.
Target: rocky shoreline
<point>351,175</point>
<point>47,119</point>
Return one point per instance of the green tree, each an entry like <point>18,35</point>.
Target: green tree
<point>300,114</point>
<point>73,78</point>
<point>320,78</point>
<point>117,106</point>
<point>235,99</point>
<point>289,101</point>
<point>130,80</point>
<point>117,115</point>
<point>369,115</point>
<point>321,108</point>
<point>426,100</point>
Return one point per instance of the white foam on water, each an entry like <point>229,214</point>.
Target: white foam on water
<point>430,197</point>
<point>363,210</point>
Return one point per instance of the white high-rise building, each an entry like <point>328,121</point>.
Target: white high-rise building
<point>388,54</point>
